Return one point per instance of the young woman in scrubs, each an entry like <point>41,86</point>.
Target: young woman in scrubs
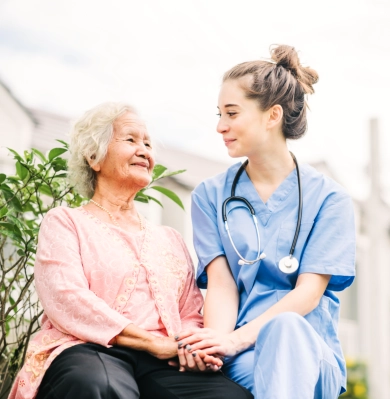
<point>276,331</point>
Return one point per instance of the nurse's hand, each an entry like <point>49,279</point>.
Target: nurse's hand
<point>209,341</point>
<point>196,361</point>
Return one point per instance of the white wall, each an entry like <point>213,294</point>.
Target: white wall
<point>16,129</point>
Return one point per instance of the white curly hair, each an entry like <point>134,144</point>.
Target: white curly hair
<point>90,136</point>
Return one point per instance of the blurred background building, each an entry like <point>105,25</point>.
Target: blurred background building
<point>365,312</point>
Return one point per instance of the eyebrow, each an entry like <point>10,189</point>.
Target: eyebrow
<point>229,105</point>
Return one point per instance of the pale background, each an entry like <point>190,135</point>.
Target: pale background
<point>168,57</point>
<point>57,59</point>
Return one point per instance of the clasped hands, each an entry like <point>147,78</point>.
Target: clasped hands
<point>202,349</point>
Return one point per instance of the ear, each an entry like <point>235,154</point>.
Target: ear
<point>93,165</point>
<point>275,116</point>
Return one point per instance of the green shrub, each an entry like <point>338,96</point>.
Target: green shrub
<point>39,184</point>
<point>357,387</point>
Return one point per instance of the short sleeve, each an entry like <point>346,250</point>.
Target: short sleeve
<point>207,240</point>
<point>331,245</point>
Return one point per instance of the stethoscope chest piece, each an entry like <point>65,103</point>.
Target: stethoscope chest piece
<point>288,264</point>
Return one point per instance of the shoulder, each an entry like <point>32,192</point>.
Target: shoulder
<point>321,186</point>
<point>61,215</point>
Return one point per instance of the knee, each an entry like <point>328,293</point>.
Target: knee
<point>287,324</point>
<point>86,378</point>
<point>288,319</point>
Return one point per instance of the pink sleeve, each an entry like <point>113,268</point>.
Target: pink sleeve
<point>191,300</point>
<point>63,288</point>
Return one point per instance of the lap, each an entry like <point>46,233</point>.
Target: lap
<point>125,373</point>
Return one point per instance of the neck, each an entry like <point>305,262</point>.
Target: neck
<point>114,200</point>
<point>116,207</point>
<point>270,166</point>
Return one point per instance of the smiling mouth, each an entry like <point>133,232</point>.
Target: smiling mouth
<point>141,165</point>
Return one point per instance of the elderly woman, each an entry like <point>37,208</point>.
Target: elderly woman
<point>115,289</point>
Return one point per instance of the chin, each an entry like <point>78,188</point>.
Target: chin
<point>235,154</point>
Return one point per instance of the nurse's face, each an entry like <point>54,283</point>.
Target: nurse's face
<point>243,125</point>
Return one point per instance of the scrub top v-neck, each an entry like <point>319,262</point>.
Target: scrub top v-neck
<point>327,221</point>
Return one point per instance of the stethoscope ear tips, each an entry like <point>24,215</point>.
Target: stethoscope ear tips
<point>241,262</point>
<point>263,255</point>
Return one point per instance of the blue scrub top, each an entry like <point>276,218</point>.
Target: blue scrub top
<point>326,243</point>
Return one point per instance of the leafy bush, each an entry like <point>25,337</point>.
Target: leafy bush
<point>39,184</point>
<point>357,387</point>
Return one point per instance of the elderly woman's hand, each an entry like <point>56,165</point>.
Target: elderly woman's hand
<point>163,348</point>
<point>139,339</point>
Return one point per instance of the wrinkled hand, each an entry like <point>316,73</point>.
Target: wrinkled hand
<point>163,348</point>
<point>209,341</point>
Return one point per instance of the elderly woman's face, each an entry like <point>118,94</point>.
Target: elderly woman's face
<point>129,158</point>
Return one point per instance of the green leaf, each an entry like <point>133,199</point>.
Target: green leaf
<point>59,164</point>
<point>56,152</point>
<point>167,174</point>
<point>15,203</point>
<point>3,211</point>
<point>2,177</point>
<point>20,252</point>
<point>39,155</point>
<point>21,170</point>
<point>158,170</point>
<point>10,198</point>
<point>66,145</point>
<point>173,173</point>
<point>16,155</point>
<point>45,189</point>
<point>28,207</point>
<point>11,235</point>
<point>141,197</point>
<point>155,200</point>
<point>170,194</point>
<point>7,226</point>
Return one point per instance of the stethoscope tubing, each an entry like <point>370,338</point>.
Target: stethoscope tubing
<point>233,197</point>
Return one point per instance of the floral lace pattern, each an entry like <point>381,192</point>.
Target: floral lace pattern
<point>89,275</point>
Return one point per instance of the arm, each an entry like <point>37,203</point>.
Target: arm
<point>71,306</point>
<point>221,304</point>
<point>63,288</point>
<point>302,299</point>
<point>327,262</point>
<point>142,340</point>
<point>191,299</point>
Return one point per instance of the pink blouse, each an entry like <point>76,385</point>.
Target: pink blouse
<point>93,279</point>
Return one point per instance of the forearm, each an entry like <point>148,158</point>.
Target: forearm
<point>134,337</point>
<point>222,299</point>
<point>220,309</point>
<point>139,339</point>
<point>302,300</point>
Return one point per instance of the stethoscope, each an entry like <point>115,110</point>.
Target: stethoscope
<point>288,264</point>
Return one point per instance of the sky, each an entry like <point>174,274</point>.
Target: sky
<point>167,58</point>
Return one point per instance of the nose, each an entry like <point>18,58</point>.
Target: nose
<point>143,151</point>
<point>222,127</point>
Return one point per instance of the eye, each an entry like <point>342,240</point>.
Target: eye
<point>232,113</point>
<point>130,139</point>
<point>148,145</point>
<point>219,115</point>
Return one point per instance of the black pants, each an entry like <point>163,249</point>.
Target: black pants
<point>90,371</point>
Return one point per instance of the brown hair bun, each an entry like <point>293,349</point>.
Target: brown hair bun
<point>287,57</point>
<point>281,80</point>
